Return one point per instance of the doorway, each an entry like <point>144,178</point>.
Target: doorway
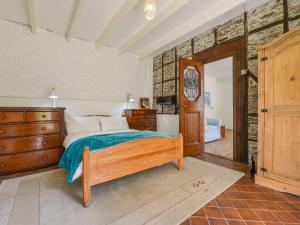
<point>192,111</point>
<point>218,105</point>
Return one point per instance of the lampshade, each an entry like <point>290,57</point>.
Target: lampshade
<point>53,93</point>
<point>130,98</point>
<point>150,9</point>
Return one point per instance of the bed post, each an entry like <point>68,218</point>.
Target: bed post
<point>86,177</point>
<point>180,152</point>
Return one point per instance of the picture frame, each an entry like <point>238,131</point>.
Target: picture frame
<point>144,103</point>
<point>207,98</point>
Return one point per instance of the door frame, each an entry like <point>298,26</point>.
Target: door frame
<point>236,49</point>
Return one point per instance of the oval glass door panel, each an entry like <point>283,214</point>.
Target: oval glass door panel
<point>191,83</point>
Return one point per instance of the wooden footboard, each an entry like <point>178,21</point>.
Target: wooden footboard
<point>128,158</point>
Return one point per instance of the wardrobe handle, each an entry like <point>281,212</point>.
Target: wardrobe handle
<point>43,128</point>
<point>2,165</point>
<point>44,116</point>
<point>45,158</point>
<point>2,116</point>
<point>44,142</point>
<point>2,131</point>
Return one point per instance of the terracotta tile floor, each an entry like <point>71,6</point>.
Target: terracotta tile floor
<point>245,203</point>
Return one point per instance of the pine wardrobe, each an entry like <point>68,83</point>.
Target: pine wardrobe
<point>279,114</point>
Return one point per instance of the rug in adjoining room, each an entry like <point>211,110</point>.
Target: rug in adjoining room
<point>162,195</point>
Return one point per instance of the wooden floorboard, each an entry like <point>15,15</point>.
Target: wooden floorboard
<point>223,162</point>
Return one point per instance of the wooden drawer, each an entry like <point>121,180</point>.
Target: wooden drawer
<point>11,117</point>
<point>42,116</point>
<point>26,161</point>
<point>150,115</point>
<point>138,112</point>
<point>16,130</point>
<point>18,145</point>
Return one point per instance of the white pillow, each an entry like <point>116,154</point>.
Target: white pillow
<point>112,123</point>
<point>77,124</point>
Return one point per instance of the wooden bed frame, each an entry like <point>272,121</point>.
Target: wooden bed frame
<point>128,158</point>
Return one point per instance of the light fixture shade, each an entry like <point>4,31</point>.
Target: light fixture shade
<point>53,93</point>
<point>130,98</point>
<point>150,9</point>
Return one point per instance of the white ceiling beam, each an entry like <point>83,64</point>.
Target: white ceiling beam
<point>188,27</point>
<point>33,17</point>
<point>168,11</point>
<point>77,12</point>
<point>126,7</point>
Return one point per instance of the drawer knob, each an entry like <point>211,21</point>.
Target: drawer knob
<point>44,142</point>
<point>2,116</point>
<point>2,165</point>
<point>43,128</point>
<point>44,116</point>
<point>45,158</point>
<point>2,131</point>
<point>2,147</point>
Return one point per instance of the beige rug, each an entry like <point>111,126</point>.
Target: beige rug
<point>161,195</point>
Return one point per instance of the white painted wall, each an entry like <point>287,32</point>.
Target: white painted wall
<point>218,80</point>
<point>224,105</point>
<point>211,86</point>
<point>87,80</point>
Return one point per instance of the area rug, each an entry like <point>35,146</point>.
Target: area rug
<point>162,195</point>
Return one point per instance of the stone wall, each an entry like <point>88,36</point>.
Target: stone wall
<point>258,26</point>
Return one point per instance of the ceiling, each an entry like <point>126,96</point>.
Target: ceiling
<point>120,23</point>
<point>221,69</point>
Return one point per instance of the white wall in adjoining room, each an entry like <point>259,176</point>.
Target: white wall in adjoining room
<point>211,86</point>
<point>85,78</point>
<point>225,102</point>
<point>219,82</point>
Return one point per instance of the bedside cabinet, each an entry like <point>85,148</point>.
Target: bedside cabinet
<point>30,138</point>
<point>141,119</point>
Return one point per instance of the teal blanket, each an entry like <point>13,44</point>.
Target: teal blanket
<point>73,154</point>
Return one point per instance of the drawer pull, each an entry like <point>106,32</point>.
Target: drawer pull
<point>44,116</point>
<point>44,143</point>
<point>2,131</point>
<point>2,116</point>
<point>2,147</point>
<point>43,128</point>
<point>2,165</point>
<point>45,158</point>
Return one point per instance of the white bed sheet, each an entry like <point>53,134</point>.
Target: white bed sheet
<point>70,138</point>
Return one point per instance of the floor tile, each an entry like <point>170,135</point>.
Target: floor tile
<point>236,222</point>
<point>214,221</point>
<point>248,214</point>
<point>198,221</point>
<point>288,206</point>
<point>255,223</point>
<point>237,203</point>
<point>200,212</point>
<point>213,212</point>
<point>224,202</point>
<point>231,213</point>
<point>271,205</point>
<point>256,204</point>
<point>266,216</point>
<point>212,203</point>
<point>186,222</point>
<point>285,217</point>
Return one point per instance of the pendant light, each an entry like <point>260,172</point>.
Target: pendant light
<point>150,9</point>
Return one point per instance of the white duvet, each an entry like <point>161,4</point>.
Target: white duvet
<point>70,138</point>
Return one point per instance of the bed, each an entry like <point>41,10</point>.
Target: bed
<point>212,129</point>
<point>100,155</point>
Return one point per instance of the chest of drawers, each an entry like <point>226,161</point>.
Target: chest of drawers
<point>141,119</point>
<point>30,138</point>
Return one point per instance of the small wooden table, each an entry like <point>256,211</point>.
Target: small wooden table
<point>222,131</point>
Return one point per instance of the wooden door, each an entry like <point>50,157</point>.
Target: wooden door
<point>280,111</point>
<point>192,106</point>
